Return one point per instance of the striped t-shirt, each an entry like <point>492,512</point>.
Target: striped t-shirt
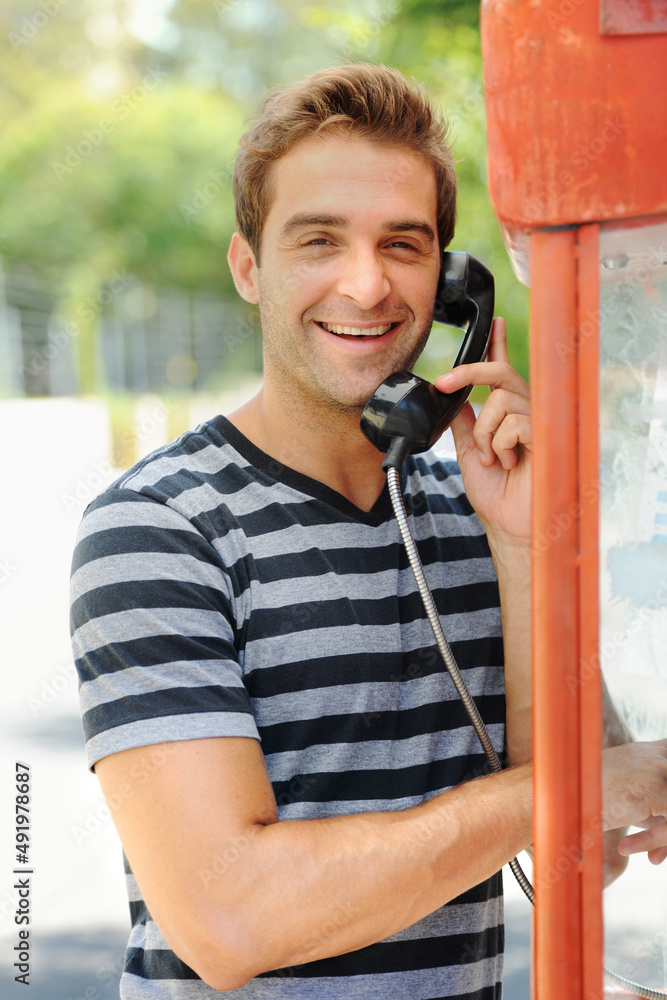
<point>216,592</point>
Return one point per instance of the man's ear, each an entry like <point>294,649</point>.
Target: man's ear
<point>242,264</point>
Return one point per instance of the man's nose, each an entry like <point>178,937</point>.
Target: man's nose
<point>363,278</point>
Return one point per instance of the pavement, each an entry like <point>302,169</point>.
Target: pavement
<point>55,457</point>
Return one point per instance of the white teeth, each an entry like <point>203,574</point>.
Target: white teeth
<point>355,331</point>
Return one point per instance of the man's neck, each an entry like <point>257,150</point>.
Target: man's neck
<point>328,447</point>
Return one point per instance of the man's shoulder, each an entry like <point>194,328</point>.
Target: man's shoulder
<point>172,484</point>
<point>197,455</point>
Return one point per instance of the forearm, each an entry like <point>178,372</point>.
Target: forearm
<point>315,888</point>
<point>512,564</point>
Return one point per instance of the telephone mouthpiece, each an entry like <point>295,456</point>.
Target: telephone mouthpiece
<point>409,408</point>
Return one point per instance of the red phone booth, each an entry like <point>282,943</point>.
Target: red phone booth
<point>577,136</point>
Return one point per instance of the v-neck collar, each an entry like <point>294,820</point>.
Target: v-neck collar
<point>380,512</point>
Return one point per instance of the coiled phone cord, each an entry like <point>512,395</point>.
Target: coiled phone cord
<point>467,699</point>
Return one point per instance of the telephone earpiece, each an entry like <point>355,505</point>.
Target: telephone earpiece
<point>406,413</point>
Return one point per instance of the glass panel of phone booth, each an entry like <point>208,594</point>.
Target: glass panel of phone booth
<point>633,551</point>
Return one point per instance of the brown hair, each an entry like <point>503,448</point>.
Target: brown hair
<point>374,102</point>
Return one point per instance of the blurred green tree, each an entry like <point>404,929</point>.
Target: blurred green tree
<point>120,122</point>
<point>132,176</point>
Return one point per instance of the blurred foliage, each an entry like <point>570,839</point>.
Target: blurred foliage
<point>120,120</point>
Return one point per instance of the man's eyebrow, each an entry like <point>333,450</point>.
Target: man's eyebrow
<point>410,225</point>
<point>302,219</point>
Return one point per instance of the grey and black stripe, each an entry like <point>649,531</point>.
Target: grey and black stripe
<point>218,593</point>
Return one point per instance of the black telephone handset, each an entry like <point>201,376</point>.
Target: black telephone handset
<point>406,413</point>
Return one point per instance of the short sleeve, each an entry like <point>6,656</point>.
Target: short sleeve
<point>152,628</point>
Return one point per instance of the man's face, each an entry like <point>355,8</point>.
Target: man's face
<point>349,268</point>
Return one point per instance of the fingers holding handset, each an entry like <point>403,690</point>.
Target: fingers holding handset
<point>496,371</point>
<point>504,421</point>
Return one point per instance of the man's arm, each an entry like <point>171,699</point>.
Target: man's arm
<point>236,893</point>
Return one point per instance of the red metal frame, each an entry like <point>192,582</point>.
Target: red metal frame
<point>575,128</point>
<point>590,699</point>
<point>567,711</point>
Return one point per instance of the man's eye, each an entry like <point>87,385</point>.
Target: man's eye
<point>319,241</point>
<point>403,245</point>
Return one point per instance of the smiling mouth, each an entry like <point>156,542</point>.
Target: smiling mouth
<point>357,331</point>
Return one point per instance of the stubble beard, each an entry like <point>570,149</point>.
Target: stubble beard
<point>297,380</point>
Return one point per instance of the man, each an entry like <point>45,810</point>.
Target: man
<point>284,755</point>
